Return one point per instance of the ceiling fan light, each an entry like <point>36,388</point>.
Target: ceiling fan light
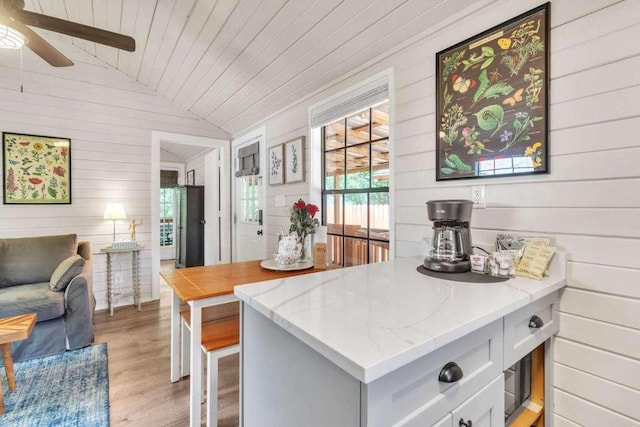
<point>10,38</point>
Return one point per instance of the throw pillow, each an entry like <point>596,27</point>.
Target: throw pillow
<point>66,270</point>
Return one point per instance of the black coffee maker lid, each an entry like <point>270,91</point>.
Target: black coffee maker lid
<point>449,210</point>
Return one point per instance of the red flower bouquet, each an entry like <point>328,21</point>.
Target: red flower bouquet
<point>303,222</point>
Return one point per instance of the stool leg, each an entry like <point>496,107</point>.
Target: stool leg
<point>184,341</point>
<point>8,365</point>
<point>204,379</point>
<point>212,389</point>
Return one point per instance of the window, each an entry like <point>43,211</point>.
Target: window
<point>249,199</point>
<point>355,188</point>
<point>166,216</point>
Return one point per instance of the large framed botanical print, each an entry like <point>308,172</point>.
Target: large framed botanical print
<point>492,101</point>
<point>36,169</point>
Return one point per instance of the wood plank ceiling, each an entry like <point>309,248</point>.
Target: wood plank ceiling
<point>235,62</point>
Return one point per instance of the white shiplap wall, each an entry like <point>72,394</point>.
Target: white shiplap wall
<point>109,119</point>
<point>590,202</point>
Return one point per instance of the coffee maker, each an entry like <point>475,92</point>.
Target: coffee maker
<point>451,244</point>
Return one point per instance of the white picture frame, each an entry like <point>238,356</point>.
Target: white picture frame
<point>294,160</point>
<point>276,165</point>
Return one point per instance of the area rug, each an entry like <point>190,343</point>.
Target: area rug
<point>68,389</point>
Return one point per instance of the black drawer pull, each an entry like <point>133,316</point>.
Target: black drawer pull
<point>450,373</point>
<point>461,423</point>
<point>535,322</point>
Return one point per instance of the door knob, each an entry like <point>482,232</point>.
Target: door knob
<point>535,322</point>
<point>259,232</point>
<point>462,423</point>
<point>450,373</point>
<point>203,222</point>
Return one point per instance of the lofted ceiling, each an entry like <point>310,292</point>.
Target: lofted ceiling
<point>235,62</point>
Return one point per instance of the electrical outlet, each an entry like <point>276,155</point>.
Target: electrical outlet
<point>477,197</point>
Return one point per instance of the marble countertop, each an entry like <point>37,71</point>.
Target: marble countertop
<point>372,319</point>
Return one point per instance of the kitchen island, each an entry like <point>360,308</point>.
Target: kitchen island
<point>382,344</point>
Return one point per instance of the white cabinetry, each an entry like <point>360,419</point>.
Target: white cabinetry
<point>483,409</point>
<point>528,327</point>
<point>381,345</point>
<point>414,396</point>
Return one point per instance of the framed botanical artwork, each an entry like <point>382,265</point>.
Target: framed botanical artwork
<point>492,101</point>
<point>294,160</point>
<point>191,177</point>
<point>36,169</point>
<point>276,165</point>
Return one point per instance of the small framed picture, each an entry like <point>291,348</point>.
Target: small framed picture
<point>294,160</point>
<point>191,177</point>
<point>276,165</point>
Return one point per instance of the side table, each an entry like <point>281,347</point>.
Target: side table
<point>12,329</point>
<point>135,272</point>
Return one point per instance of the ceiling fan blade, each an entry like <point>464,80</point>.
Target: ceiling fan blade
<point>38,45</point>
<point>74,29</point>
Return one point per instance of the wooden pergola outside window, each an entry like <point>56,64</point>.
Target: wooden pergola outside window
<point>355,190</point>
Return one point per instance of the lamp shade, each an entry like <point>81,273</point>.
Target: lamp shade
<point>114,211</point>
<point>10,38</point>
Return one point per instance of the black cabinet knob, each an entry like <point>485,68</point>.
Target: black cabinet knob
<point>462,423</point>
<point>259,232</point>
<point>450,373</point>
<point>535,322</point>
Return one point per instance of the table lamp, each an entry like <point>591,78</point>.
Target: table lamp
<point>114,212</point>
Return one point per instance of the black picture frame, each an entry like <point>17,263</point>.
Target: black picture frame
<point>492,101</point>
<point>191,177</point>
<point>36,169</point>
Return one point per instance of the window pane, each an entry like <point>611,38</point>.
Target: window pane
<point>355,251</point>
<point>378,251</point>
<point>379,216</point>
<point>333,213</point>
<point>358,128</point>
<point>334,250</point>
<point>334,135</point>
<point>380,164</point>
<point>358,167</point>
<point>355,215</point>
<point>380,121</point>
<point>334,170</point>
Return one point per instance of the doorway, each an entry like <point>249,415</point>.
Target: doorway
<point>248,187</point>
<point>213,173</point>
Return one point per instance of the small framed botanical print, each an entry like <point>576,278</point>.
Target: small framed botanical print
<point>276,165</point>
<point>36,169</point>
<point>294,160</point>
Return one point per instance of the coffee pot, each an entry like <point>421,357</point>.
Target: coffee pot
<point>451,243</point>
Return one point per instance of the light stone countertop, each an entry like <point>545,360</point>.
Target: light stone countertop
<point>373,319</point>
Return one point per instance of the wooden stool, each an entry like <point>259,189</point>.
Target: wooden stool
<point>12,329</point>
<point>220,338</point>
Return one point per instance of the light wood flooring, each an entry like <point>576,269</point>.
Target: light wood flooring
<point>140,391</point>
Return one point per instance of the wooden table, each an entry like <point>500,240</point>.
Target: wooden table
<point>12,329</point>
<point>201,287</point>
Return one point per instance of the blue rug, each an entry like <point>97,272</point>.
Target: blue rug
<point>68,389</point>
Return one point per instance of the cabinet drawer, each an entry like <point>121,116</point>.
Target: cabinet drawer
<point>414,395</point>
<point>484,409</point>
<point>519,337</point>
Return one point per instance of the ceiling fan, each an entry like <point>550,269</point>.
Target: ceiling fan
<point>13,16</point>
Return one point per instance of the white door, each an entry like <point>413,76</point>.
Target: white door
<point>249,241</point>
